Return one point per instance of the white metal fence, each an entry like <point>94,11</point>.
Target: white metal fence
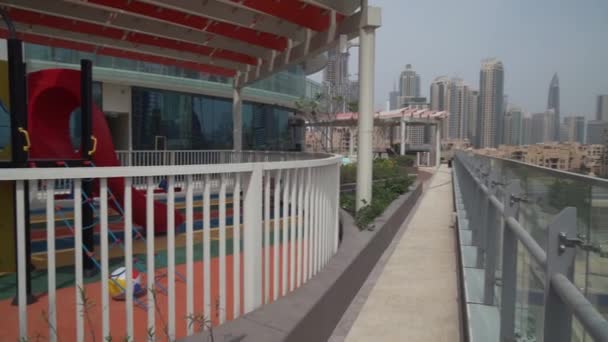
<point>198,157</point>
<point>285,215</point>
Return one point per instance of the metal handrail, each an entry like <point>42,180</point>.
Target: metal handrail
<point>562,297</point>
<point>558,173</point>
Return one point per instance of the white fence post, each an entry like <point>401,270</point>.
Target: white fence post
<point>252,236</point>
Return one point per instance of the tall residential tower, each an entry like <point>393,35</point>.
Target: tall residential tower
<point>491,85</point>
<point>409,82</point>
<point>553,104</point>
<point>601,113</point>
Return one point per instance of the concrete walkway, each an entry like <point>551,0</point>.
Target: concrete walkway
<point>416,296</point>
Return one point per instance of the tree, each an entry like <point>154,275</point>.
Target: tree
<point>320,108</point>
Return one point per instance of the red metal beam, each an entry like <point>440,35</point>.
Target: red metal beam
<point>295,11</point>
<point>35,18</point>
<point>91,48</point>
<point>241,33</point>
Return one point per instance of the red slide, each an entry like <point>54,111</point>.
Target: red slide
<point>53,95</point>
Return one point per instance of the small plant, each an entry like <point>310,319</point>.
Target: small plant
<point>87,305</point>
<point>160,315</point>
<point>45,317</point>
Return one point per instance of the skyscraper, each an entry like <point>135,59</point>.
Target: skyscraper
<point>491,84</point>
<point>473,116</point>
<point>439,93</point>
<point>526,131</point>
<point>409,82</point>
<point>602,108</point>
<point>597,132</point>
<point>575,129</point>
<point>393,98</point>
<point>543,127</point>
<point>458,106</point>
<point>553,104</point>
<point>336,71</point>
<point>440,99</point>
<point>335,74</point>
<point>513,126</point>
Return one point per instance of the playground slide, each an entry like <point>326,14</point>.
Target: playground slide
<point>53,95</point>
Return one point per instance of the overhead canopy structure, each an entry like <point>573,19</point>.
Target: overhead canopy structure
<point>244,39</point>
<point>403,113</point>
<point>393,117</point>
<point>247,40</point>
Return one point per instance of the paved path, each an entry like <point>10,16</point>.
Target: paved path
<point>416,296</point>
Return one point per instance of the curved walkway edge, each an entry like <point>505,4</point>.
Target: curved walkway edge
<point>311,312</point>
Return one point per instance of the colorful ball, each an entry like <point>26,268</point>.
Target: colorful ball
<point>117,283</point>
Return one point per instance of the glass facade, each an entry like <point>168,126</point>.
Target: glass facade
<point>179,121</point>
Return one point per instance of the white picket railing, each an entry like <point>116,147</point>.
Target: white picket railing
<point>198,157</point>
<point>296,202</point>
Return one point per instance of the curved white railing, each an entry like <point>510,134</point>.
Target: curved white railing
<point>284,214</point>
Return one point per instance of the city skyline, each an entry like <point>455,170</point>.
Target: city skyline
<point>529,38</point>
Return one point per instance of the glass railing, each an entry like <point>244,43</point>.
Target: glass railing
<point>543,195</point>
<point>292,82</point>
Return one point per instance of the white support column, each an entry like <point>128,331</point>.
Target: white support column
<point>237,120</point>
<point>403,127</point>
<point>417,158</point>
<point>369,22</point>
<point>351,143</point>
<point>437,145</point>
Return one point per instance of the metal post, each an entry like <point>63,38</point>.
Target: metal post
<point>351,143</point>
<point>484,210</point>
<point>369,22</point>
<point>437,146</point>
<point>86,121</point>
<point>560,259</point>
<point>403,128</point>
<point>19,144</point>
<point>237,119</point>
<point>491,243</point>
<point>508,293</point>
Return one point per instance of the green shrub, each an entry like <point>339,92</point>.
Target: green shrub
<point>382,169</point>
<point>348,174</point>
<point>404,161</point>
<point>384,192</point>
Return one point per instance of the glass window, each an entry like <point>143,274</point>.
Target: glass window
<point>202,122</point>
<point>212,122</point>
<point>5,132</point>
<point>163,114</point>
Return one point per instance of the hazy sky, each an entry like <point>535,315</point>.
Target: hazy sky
<point>533,38</point>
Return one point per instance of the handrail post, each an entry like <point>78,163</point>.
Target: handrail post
<point>508,293</point>
<point>560,259</point>
<point>476,202</point>
<point>491,244</point>
<point>484,208</point>
<point>252,236</point>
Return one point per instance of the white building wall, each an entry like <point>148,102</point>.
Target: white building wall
<point>116,98</point>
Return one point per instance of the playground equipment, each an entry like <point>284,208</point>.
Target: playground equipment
<point>53,95</point>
